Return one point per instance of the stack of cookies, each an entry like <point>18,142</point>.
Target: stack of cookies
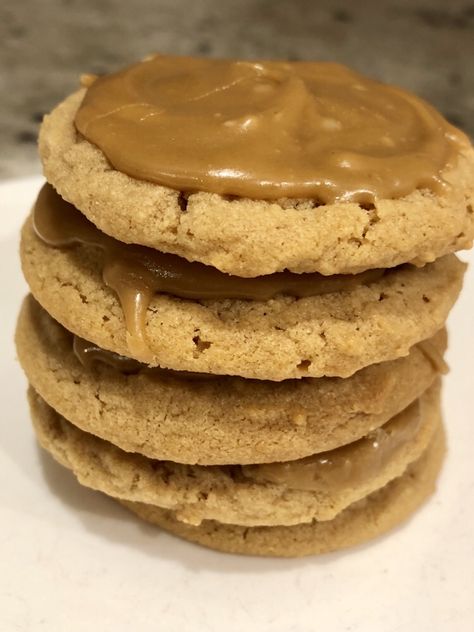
<point>240,274</point>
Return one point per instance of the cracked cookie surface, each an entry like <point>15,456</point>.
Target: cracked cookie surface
<point>228,494</point>
<point>221,420</point>
<point>362,521</point>
<point>328,335</point>
<point>249,237</point>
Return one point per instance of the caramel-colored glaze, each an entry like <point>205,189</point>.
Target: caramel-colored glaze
<point>90,354</point>
<point>136,273</point>
<point>267,129</point>
<point>353,464</point>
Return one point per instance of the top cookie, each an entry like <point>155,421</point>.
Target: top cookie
<point>305,167</point>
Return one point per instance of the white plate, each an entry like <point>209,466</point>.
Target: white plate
<point>73,560</point>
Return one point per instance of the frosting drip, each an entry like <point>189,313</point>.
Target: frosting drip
<point>136,273</point>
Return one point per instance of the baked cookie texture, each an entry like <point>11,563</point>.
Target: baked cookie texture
<point>365,520</point>
<point>278,384</point>
<point>227,494</point>
<point>222,420</point>
<point>328,335</point>
<point>257,237</point>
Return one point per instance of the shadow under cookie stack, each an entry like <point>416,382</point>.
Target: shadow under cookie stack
<point>240,274</point>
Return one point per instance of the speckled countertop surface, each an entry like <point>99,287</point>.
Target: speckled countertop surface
<point>424,45</point>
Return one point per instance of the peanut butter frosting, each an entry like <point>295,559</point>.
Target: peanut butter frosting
<point>350,465</point>
<point>247,237</point>
<point>136,272</point>
<point>336,333</point>
<point>267,129</point>
<point>89,354</point>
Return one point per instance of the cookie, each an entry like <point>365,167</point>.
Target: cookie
<point>277,494</point>
<point>328,335</point>
<point>220,420</point>
<point>249,237</point>
<point>288,415</point>
<point>367,519</point>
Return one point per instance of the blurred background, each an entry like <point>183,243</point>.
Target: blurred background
<point>424,45</point>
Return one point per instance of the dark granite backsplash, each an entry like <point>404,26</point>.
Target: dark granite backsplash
<point>424,45</point>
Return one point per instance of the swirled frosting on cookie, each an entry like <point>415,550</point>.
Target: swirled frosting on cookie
<point>267,129</point>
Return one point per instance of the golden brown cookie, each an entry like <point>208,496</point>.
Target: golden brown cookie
<point>332,334</point>
<point>251,495</point>
<point>220,420</point>
<point>367,519</point>
<point>249,237</point>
